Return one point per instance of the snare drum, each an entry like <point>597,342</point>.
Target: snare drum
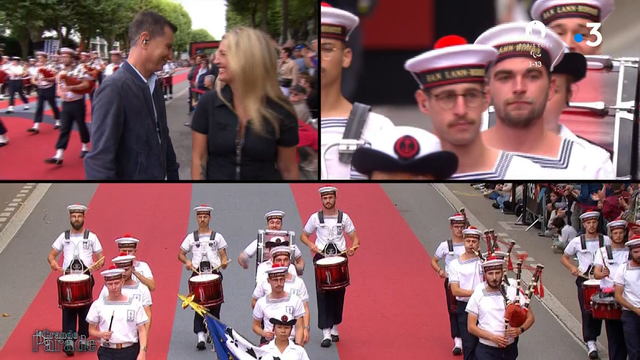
<point>589,288</point>
<point>74,290</point>
<point>605,307</point>
<point>207,289</point>
<point>332,273</point>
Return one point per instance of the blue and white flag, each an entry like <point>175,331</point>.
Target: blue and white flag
<point>228,342</point>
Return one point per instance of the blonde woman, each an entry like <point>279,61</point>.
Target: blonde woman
<point>246,129</point>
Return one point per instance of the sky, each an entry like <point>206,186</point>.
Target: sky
<point>207,14</point>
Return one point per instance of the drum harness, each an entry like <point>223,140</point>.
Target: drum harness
<point>76,266</point>
<point>205,265</point>
<point>583,245</point>
<point>331,249</point>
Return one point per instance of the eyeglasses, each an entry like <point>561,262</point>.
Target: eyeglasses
<point>447,100</point>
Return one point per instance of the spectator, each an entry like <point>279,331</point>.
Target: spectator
<point>288,71</point>
<point>504,194</point>
<point>612,204</point>
<point>565,233</point>
<point>298,95</point>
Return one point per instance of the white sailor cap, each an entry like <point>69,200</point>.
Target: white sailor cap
<point>406,149</point>
<point>42,53</point>
<point>274,214</point>
<point>595,11</point>
<point>616,224</point>
<point>203,208</point>
<point>66,50</point>
<point>114,52</point>
<point>457,217</point>
<point>127,241</point>
<point>499,255</point>
<point>452,61</point>
<point>493,263</point>
<point>280,250</point>
<point>84,53</point>
<point>471,231</point>
<point>76,208</point>
<point>335,23</point>
<point>95,52</point>
<point>15,58</point>
<point>277,241</point>
<point>277,269</point>
<point>589,215</point>
<point>328,189</point>
<point>113,273</point>
<point>123,260</point>
<point>634,242</point>
<point>511,40</point>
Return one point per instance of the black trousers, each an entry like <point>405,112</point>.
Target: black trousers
<point>631,326</point>
<point>330,305</point>
<point>591,327</point>
<point>485,352</point>
<point>453,318</point>
<point>4,87</point>
<point>3,129</point>
<point>15,86</point>
<point>615,338</point>
<point>72,111</point>
<point>190,99</point>
<point>198,321</point>
<point>469,341</point>
<point>75,319</point>
<point>48,95</point>
<point>129,353</point>
<point>168,89</point>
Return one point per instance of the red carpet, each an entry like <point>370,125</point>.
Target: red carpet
<point>155,204</point>
<point>393,287</point>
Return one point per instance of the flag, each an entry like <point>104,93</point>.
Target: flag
<point>228,342</point>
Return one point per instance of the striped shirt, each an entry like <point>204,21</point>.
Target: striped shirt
<point>507,167</point>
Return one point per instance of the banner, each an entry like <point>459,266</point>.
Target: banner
<point>230,343</point>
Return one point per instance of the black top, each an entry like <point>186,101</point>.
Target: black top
<point>258,154</point>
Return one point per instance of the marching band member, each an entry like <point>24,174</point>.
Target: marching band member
<point>97,63</point>
<point>78,245</point>
<point>46,93</point>
<point>293,285</point>
<point>3,67</point>
<point>330,225</point>
<point>209,254</point>
<point>465,273</point>
<point>261,271</point>
<point>132,288</point>
<point>616,254</point>
<point>118,320</point>
<point>520,93</point>
<point>278,301</point>
<point>167,85</point>
<point>585,247</point>
<point>274,222</point>
<point>129,245</point>
<point>73,106</point>
<point>282,348</point>
<point>449,250</point>
<point>486,309</point>
<point>336,27</point>
<point>116,62</point>
<point>31,72</point>
<point>452,93</point>
<point>627,293</point>
<point>405,153</point>
<point>16,73</point>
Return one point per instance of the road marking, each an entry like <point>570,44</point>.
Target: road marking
<point>531,259</point>
<point>177,96</point>
<point>550,302</point>
<point>12,227</point>
<point>16,200</point>
<point>21,195</point>
<point>24,191</point>
<point>7,214</point>
<point>3,219</point>
<point>13,204</point>
<point>9,209</point>
<point>504,235</point>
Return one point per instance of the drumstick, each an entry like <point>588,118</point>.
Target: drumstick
<point>604,262</point>
<point>111,323</point>
<point>226,263</point>
<point>94,265</point>
<point>195,271</point>
<point>353,248</point>
<point>583,276</point>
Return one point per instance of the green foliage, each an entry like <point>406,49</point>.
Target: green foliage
<point>300,13</point>
<point>199,35</point>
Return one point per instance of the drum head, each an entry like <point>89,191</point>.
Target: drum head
<point>331,260</point>
<point>599,298</point>
<point>74,277</point>
<point>204,278</point>
<point>592,282</point>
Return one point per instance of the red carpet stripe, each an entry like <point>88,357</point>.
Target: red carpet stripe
<point>394,307</point>
<point>158,215</point>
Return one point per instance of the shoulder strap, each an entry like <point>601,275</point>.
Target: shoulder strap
<point>213,236</point>
<point>583,242</point>
<point>601,240</point>
<point>86,234</point>
<point>67,235</point>
<point>340,216</point>
<point>355,124</point>
<point>321,217</point>
<point>450,245</point>
<point>609,252</point>
<point>196,237</point>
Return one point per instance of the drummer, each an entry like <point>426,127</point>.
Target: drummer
<point>275,303</point>
<point>585,247</point>
<point>261,271</point>
<point>616,254</point>
<point>209,254</point>
<point>79,246</point>
<point>568,20</point>
<point>293,284</point>
<point>131,287</point>
<point>274,222</point>
<point>129,245</point>
<point>282,347</point>
<point>118,320</point>
<point>627,284</point>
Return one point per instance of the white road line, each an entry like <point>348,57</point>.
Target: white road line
<point>550,302</point>
<point>21,195</point>
<point>13,204</point>
<point>503,235</point>
<point>28,187</point>
<point>5,214</point>
<point>32,184</point>
<point>3,219</point>
<point>21,215</point>
<point>24,191</point>
<point>9,209</point>
<point>531,259</point>
<point>16,200</point>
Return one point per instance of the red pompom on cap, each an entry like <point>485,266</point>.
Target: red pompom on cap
<point>127,235</point>
<point>450,40</point>
<point>325,4</point>
<point>123,254</point>
<point>112,267</point>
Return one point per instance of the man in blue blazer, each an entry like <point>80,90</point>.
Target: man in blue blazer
<point>130,135</point>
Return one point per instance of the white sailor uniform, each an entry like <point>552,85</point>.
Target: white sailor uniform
<point>294,286</point>
<point>628,276</point>
<point>267,308</point>
<point>292,352</point>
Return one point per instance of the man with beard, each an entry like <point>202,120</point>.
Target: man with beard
<point>465,273</point>
<point>337,113</point>
<point>585,247</point>
<point>209,254</point>
<point>330,225</point>
<point>627,285</point>
<point>449,250</point>
<point>486,309</point>
<point>604,269</point>
<point>452,93</point>
<point>520,85</point>
<point>79,246</point>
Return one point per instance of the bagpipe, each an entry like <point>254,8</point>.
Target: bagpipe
<point>3,76</point>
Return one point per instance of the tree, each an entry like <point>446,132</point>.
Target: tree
<point>199,35</point>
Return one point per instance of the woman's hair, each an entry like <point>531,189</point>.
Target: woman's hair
<point>253,63</point>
